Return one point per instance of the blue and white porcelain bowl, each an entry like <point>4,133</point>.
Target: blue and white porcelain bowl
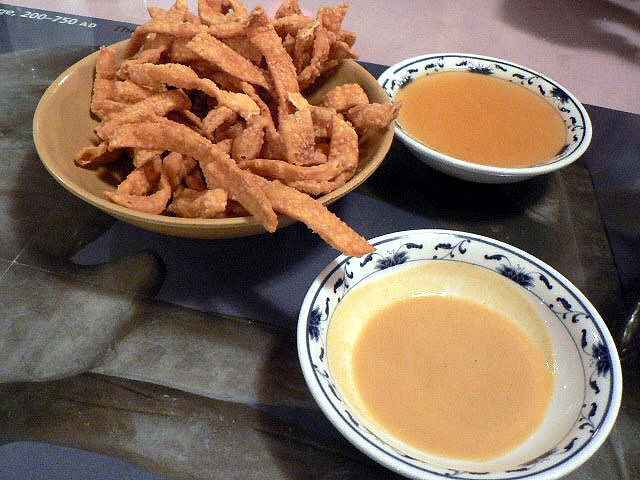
<point>573,113</point>
<point>588,379</point>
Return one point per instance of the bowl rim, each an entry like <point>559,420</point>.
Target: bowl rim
<point>203,225</point>
<point>554,163</point>
<point>379,454</point>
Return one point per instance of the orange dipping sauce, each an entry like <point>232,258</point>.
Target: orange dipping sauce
<point>450,359</point>
<point>452,377</point>
<point>481,119</point>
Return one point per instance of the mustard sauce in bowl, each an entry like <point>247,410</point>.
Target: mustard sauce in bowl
<point>451,355</point>
<point>462,372</point>
<point>443,356</point>
<point>485,119</point>
<point>481,119</point>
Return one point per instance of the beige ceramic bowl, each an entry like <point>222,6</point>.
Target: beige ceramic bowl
<point>62,125</point>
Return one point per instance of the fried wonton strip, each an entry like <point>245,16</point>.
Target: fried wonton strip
<point>291,24</point>
<point>161,43</point>
<point>175,15</point>
<point>335,232</point>
<point>212,12</point>
<point>98,155</point>
<point>177,167</point>
<point>187,29</point>
<point>174,169</point>
<point>320,157</point>
<point>323,67</point>
<point>152,55</point>
<point>194,181</point>
<point>288,7</point>
<point>234,209</point>
<point>345,96</point>
<point>156,12</point>
<point>265,112</point>
<point>216,117</point>
<point>256,202</point>
<point>250,90</point>
<point>321,48</point>
<point>190,119</point>
<point>331,18</point>
<point>180,53</point>
<point>174,74</point>
<point>238,102</point>
<point>320,187</point>
<point>110,108</point>
<point>182,76</point>
<point>343,147</point>
<point>289,44</point>
<point>135,42</point>
<point>167,135</point>
<point>226,30</point>
<point>313,74</point>
<point>192,18</point>
<point>158,105</point>
<point>342,159</point>
<point>322,119</point>
<point>281,170</point>
<point>248,144</point>
<point>129,92</point>
<point>298,137</point>
<point>261,33</point>
<point>179,12</point>
<point>346,36</point>
<point>303,46</point>
<point>220,54</point>
<point>374,115</point>
<point>322,148</point>
<point>340,50</point>
<point>154,203</point>
<point>170,27</point>
<point>237,9</point>
<point>179,9</point>
<point>104,82</point>
<point>225,80</point>
<point>141,180</point>
<point>299,101</point>
<point>225,145</point>
<point>244,47</point>
<point>229,132</point>
<point>190,203</point>
<point>141,156</point>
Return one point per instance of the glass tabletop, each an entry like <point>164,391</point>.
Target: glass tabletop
<point>143,355</point>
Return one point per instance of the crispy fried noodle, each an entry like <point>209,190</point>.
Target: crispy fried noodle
<point>209,108</point>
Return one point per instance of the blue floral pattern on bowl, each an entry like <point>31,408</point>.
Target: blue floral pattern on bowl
<point>603,386</point>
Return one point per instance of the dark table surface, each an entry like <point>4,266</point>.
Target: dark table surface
<point>177,356</point>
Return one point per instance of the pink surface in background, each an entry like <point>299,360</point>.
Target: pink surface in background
<point>592,47</point>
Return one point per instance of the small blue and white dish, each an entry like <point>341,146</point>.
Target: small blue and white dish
<point>573,113</point>
<point>588,379</point>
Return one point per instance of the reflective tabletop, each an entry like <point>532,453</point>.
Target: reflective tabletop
<point>131,354</point>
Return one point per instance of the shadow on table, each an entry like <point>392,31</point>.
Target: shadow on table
<point>45,332</point>
<point>404,181</point>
